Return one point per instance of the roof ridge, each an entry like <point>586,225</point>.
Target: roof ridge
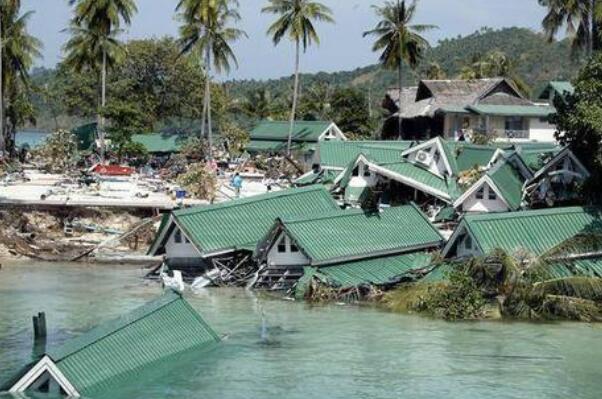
<point>322,216</point>
<point>248,200</point>
<point>527,213</point>
<point>157,304</point>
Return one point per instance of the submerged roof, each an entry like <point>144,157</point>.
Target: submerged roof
<point>343,236</point>
<point>279,130</point>
<point>240,224</point>
<point>338,154</point>
<point>535,231</point>
<point>159,142</point>
<point>375,271</point>
<point>119,349</point>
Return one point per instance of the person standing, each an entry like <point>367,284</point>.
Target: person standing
<point>236,182</point>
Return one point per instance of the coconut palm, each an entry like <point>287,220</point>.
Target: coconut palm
<point>295,19</point>
<point>18,49</point>
<point>399,40</point>
<point>98,22</point>
<point>258,104</point>
<point>434,71</point>
<point>205,32</point>
<point>581,18</point>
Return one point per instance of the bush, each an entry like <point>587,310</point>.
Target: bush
<point>199,181</point>
<point>58,153</point>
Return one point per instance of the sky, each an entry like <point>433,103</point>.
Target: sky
<point>342,46</point>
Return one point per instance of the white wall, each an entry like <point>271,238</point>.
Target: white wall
<point>184,249</point>
<point>287,258</point>
<point>541,130</point>
<point>467,247</point>
<point>474,204</point>
<point>436,166</point>
<point>361,181</point>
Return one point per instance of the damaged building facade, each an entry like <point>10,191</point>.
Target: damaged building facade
<point>460,109</point>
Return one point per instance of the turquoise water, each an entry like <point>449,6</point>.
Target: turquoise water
<point>312,351</point>
<point>31,138</point>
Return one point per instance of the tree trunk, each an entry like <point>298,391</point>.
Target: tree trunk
<point>295,96</point>
<point>103,102</point>
<point>2,138</point>
<point>205,96</point>
<point>400,76</point>
<point>208,100</point>
<point>596,41</point>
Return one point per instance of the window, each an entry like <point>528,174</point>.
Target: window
<point>282,245</point>
<point>356,171</point>
<point>294,247</point>
<point>481,193</point>
<point>178,236</point>
<point>491,195</point>
<point>468,242</point>
<point>367,171</point>
<point>514,126</point>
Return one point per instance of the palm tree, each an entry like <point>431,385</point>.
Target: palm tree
<point>18,49</point>
<point>399,40</point>
<point>434,71</point>
<point>581,18</point>
<point>295,19</point>
<point>493,65</point>
<point>98,22</point>
<point>205,32</point>
<point>258,104</point>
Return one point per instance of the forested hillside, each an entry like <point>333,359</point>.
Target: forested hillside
<point>536,60</point>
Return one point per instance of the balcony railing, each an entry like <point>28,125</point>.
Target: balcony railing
<point>504,133</point>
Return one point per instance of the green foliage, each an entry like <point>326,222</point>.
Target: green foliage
<point>199,181</point>
<point>236,138</point>
<point>135,153</point>
<point>350,110</point>
<point>580,118</point>
<point>59,152</point>
<point>460,299</point>
<point>195,149</point>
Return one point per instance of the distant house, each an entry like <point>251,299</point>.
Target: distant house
<point>529,232</point>
<point>351,240</point>
<point>189,238</point>
<point>553,90</point>
<point>271,137</point>
<point>456,108</point>
<point>160,143</point>
<point>117,351</point>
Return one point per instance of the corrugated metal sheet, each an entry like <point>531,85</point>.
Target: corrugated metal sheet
<point>513,110</point>
<point>338,154</point>
<point>279,131</point>
<point>375,271</point>
<point>339,236</point>
<point>157,142</point>
<point>468,156</point>
<point>117,350</point>
<point>535,231</point>
<point>240,224</point>
<point>424,177</point>
<point>583,267</point>
<point>510,182</point>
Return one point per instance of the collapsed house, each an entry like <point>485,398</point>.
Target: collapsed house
<point>526,233</point>
<point>347,247</point>
<point>462,108</point>
<point>116,352</point>
<point>271,138</point>
<point>226,234</point>
<point>457,177</point>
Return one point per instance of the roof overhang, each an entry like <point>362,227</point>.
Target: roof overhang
<point>46,364</point>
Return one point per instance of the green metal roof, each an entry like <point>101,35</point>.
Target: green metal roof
<point>338,154</point>
<point>469,155</point>
<point>509,181</point>
<point>324,176</point>
<point>279,131</point>
<point>560,88</point>
<point>512,110</point>
<point>159,142</point>
<point>376,271</point>
<point>86,135</point>
<point>117,350</point>
<point>535,231</point>
<point>536,159</point>
<point>342,236</point>
<point>240,224</point>
<point>274,146</point>
<point>422,176</point>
